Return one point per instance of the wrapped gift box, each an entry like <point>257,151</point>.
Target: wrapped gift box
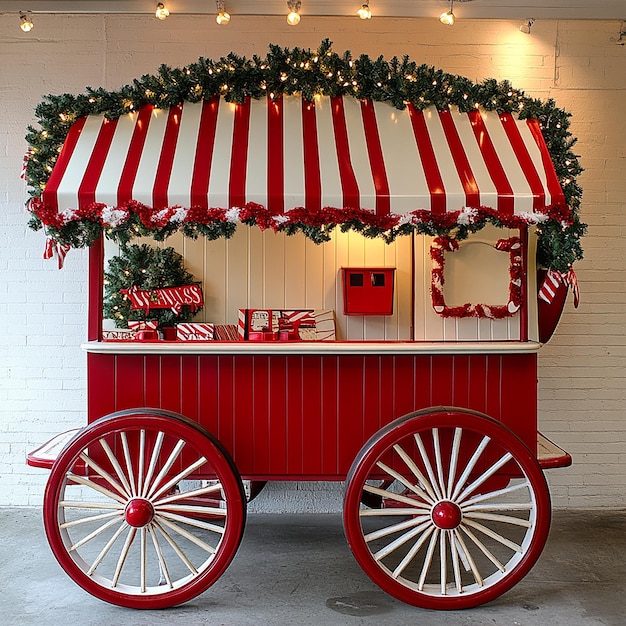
<point>195,332</point>
<point>119,334</point>
<point>286,324</point>
<point>226,332</point>
<point>143,325</point>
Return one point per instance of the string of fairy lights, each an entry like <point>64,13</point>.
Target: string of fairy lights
<point>293,14</point>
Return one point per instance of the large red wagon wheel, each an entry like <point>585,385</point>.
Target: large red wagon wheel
<point>144,509</point>
<point>462,513</point>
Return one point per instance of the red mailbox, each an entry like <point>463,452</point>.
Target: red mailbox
<point>368,290</point>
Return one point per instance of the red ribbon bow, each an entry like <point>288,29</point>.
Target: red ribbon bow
<point>53,247</point>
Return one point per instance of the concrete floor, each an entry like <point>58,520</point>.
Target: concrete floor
<point>297,570</point>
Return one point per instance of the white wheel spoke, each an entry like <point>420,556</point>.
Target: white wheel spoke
<point>498,493</point>
<point>484,476</point>
<point>400,541</point>
<point>104,474</point>
<point>410,555</point>
<point>438,463</point>
<point>142,459</point>
<point>104,506</point>
<point>184,495</point>
<point>123,555</point>
<point>504,506</point>
<point>394,528</point>
<point>191,522</point>
<point>455,562</point>
<point>414,488</point>
<point>395,496</point>
<point>129,464</point>
<point>483,548</point>
<point>95,533</point>
<point>187,535</point>
<point>189,508</point>
<point>443,563</point>
<point>428,465</point>
<point>494,535</point>
<point>454,459</point>
<point>416,472</point>
<point>164,470</point>
<point>470,466</point>
<point>175,547</point>
<point>493,517</point>
<point>117,467</point>
<point>176,479</point>
<point>428,559</point>
<point>468,558</point>
<point>143,563</point>
<point>144,483</point>
<point>162,564</point>
<point>91,518</point>
<point>106,548</point>
<point>391,512</point>
<point>96,487</point>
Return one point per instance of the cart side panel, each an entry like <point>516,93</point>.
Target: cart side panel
<point>284,416</point>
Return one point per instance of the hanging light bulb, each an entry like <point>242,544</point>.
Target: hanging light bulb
<point>161,12</point>
<point>222,16</point>
<point>26,23</point>
<point>447,18</point>
<point>527,25</point>
<point>293,17</point>
<point>364,12</point>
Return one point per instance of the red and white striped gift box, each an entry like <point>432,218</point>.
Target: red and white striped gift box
<point>143,324</point>
<point>195,331</point>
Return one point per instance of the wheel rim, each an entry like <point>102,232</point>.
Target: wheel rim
<point>144,510</point>
<point>464,511</point>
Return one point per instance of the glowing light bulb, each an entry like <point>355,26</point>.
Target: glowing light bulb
<point>447,18</point>
<point>364,12</point>
<point>223,17</point>
<point>161,12</point>
<point>293,17</point>
<point>26,23</point>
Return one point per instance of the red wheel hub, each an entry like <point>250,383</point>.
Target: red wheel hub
<point>446,515</point>
<point>139,512</point>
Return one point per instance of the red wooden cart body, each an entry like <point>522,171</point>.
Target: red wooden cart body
<point>292,417</point>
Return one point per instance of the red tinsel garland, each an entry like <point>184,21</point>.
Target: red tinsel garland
<point>437,254</point>
<point>253,213</point>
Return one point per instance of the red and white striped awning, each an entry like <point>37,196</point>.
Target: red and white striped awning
<point>285,152</point>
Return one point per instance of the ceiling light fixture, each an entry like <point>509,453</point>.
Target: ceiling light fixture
<point>161,12</point>
<point>447,18</point>
<point>364,12</point>
<point>222,16</point>
<point>26,22</point>
<point>527,25</point>
<point>293,17</point>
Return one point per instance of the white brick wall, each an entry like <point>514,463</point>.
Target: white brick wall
<point>582,388</point>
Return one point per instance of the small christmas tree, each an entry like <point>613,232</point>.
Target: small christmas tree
<point>144,267</point>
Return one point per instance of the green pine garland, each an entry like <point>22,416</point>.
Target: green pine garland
<point>147,268</point>
<point>311,72</point>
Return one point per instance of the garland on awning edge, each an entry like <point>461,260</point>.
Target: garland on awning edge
<point>309,72</point>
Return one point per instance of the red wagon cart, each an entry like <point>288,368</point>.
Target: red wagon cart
<point>422,397</point>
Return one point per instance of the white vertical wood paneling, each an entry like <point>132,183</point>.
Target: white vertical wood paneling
<point>256,269</point>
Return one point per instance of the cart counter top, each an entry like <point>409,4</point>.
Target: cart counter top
<point>304,348</point>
